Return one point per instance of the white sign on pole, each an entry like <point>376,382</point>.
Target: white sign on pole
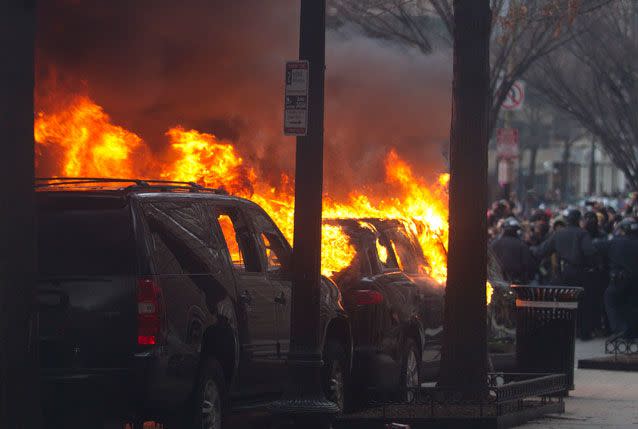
<point>296,103</point>
<point>507,143</point>
<point>515,97</point>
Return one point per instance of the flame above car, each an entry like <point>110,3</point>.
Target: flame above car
<point>80,138</point>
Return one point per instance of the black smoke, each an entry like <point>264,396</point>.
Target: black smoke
<point>217,66</point>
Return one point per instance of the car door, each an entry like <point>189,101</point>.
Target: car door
<point>430,293</point>
<point>276,254</point>
<point>188,271</point>
<point>255,303</point>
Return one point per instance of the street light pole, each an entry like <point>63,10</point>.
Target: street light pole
<point>304,401</point>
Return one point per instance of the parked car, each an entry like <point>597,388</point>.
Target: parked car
<point>166,302</point>
<point>396,308</point>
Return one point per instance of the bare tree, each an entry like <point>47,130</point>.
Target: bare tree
<point>534,131</point>
<point>594,79</point>
<point>523,31</point>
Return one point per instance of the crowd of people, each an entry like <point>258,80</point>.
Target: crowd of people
<point>594,247</point>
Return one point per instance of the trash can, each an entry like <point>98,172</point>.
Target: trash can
<point>546,329</point>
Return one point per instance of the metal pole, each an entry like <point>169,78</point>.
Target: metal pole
<point>19,400</point>
<point>304,401</point>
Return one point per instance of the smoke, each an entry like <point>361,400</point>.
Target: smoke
<point>217,66</point>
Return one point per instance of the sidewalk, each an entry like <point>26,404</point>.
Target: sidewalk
<point>602,399</point>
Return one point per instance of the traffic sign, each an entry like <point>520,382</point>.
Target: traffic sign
<point>507,140</point>
<point>515,97</point>
<point>296,98</point>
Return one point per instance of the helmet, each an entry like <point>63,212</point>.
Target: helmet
<point>629,226</point>
<point>511,226</point>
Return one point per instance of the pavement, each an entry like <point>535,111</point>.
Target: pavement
<point>602,399</point>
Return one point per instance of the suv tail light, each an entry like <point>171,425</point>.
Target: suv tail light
<point>149,311</point>
<point>365,297</point>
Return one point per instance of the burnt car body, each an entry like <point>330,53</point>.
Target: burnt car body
<point>143,290</point>
<point>391,300</point>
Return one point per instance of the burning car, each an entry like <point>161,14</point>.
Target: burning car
<point>396,307</point>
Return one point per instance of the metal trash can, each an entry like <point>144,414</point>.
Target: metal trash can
<point>546,329</point>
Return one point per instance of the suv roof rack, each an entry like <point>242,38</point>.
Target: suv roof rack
<point>136,184</point>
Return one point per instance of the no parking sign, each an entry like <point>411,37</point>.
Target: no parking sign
<point>515,97</point>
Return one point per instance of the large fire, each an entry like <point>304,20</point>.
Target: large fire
<point>89,144</point>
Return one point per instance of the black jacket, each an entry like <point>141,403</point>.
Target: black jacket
<point>572,244</point>
<point>621,254</point>
<point>515,258</point>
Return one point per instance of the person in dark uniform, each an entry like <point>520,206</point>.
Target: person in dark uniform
<point>597,276</point>
<point>621,297</point>
<point>575,253</point>
<point>514,256</point>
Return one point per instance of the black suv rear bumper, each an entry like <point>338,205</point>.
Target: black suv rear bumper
<point>106,393</point>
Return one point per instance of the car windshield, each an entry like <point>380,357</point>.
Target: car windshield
<point>86,241</point>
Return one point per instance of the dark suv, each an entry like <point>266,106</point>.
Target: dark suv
<point>167,302</point>
<point>396,309</point>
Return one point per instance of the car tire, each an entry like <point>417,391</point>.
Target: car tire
<point>410,371</point>
<point>335,375</point>
<point>208,407</point>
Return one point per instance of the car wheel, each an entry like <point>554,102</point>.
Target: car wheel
<point>209,398</point>
<point>335,374</point>
<point>410,371</point>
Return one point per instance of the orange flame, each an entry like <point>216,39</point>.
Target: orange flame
<point>92,146</point>
<point>203,158</point>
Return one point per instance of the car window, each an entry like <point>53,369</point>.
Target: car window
<point>86,239</point>
<point>274,249</point>
<point>240,241</point>
<point>386,254</point>
<point>179,240</point>
<point>230,237</point>
<point>404,250</point>
<point>273,259</point>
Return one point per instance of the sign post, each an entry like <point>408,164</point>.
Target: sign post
<point>304,401</point>
<point>507,150</point>
<point>507,140</point>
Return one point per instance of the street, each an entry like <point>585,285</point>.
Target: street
<point>227,214</point>
<point>601,399</point>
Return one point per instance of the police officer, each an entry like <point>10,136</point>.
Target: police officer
<point>621,297</point>
<point>514,256</point>
<point>575,255</point>
<point>597,275</point>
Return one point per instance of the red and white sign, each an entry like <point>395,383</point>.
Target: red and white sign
<point>296,99</point>
<point>515,97</point>
<point>507,143</point>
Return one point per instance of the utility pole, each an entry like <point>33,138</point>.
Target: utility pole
<point>304,402</point>
<point>464,354</point>
<point>19,400</point>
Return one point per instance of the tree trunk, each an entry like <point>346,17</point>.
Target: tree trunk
<point>464,354</point>
<point>564,171</point>
<point>19,402</point>
<point>592,168</point>
<point>531,179</point>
